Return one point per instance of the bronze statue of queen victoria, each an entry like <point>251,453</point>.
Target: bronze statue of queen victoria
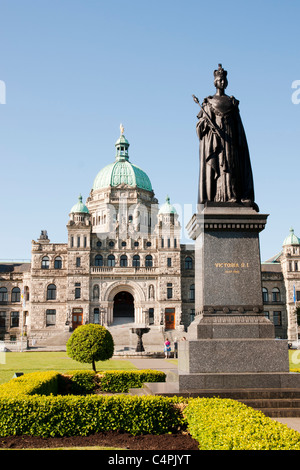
<point>225,168</point>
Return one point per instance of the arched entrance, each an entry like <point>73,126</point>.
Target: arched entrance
<point>123,307</point>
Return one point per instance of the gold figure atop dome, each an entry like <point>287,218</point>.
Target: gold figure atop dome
<point>122,129</point>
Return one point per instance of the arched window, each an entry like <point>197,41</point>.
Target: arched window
<point>15,294</point>
<point>58,263</point>
<point>111,260</point>
<point>265,294</point>
<point>148,261</point>
<point>188,263</point>
<point>51,292</point>
<point>192,292</point>
<point>3,294</point>
<point>136,261</point>
<point>275,294</point>
<point>45,262</point>
<point>123,261</point>
<point>96,292</point>
<point>99,260</point>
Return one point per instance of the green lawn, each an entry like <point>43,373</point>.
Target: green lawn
<point>25,362</point>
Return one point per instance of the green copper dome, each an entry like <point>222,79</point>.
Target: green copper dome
<point>122,171</point>
<point>167,208</point>
<point>291,239</point>
<point>79,207</point>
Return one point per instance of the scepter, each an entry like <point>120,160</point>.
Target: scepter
<point>208,118</point>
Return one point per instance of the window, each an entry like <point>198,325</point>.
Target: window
<point>50,317</point>
<point>136,243</point>
<point>78,242</point>
<point>296,266</point>
<point>96,316</point>
<point>78,262</point>
<point>275,295</point>
<point>169,262</point>
<point>151,316</point>
<point>267,314</point>
<point>169,243</point>
<point>123,261</point>
<point>3,294</point>
<point>99,243</point>
<point>2,319</point>
<point>85,242</point>
<point>99,260</point>
<point>123,244</point>
<point>148,261</point>
<point>297,295</point>
<point>72,242</point>
<point>169,290</point>
<point>77,292</point>
<point>45,262</point>
<point>162,243</point>
<point>111,260</point>
<point>136,261</point>
<point>14,319</point>
<point>58,263</point>
<point>188,263</point>
<point>192,292</point>
<point>175,242</point>
<point>51,292</point>
<point>265,294</point>
<point>15,294</point>
<point>277,318</point>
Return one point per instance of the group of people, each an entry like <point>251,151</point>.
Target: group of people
<point>167,347</point>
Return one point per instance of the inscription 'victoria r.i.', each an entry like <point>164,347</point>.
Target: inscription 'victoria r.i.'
<point>232,265</point>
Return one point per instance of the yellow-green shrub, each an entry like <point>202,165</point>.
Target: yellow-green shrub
<point>225,424</point>
<point>42,383</point>
<point>73,415</point>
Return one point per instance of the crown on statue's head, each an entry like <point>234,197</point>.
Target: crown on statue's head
<point>220,72</point>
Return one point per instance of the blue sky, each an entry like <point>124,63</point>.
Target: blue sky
<point>75,69</point>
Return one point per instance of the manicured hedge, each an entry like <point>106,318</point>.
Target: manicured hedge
<point>42,383</point>
<point>26,408</point>
<point>72,415</point>
<point>113,381</point>
<point>225,424</point>
<point>122,381</point>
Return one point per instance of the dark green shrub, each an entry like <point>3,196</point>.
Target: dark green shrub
<point>122,381</point>
<point>82,381</point>
<point>90,343</point>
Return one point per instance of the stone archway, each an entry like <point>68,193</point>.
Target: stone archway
<point>130,287</point>
<point>124,306</point>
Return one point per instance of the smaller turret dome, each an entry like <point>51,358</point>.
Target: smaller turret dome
<point>167,207</point>
<point>291,239</point>
<point>79,207</point>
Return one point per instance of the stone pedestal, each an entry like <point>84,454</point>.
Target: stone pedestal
<point>230,344</point>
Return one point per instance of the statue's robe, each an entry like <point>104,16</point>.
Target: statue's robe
<point>225,168</point>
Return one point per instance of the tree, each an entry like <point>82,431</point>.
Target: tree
<point>90,343</point>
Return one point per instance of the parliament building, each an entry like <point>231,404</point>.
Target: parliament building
<point>124,265</point>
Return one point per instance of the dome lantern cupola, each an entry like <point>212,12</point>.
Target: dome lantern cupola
<point>122,171</point>
<point>291,239</point>
<point>122,146</point>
